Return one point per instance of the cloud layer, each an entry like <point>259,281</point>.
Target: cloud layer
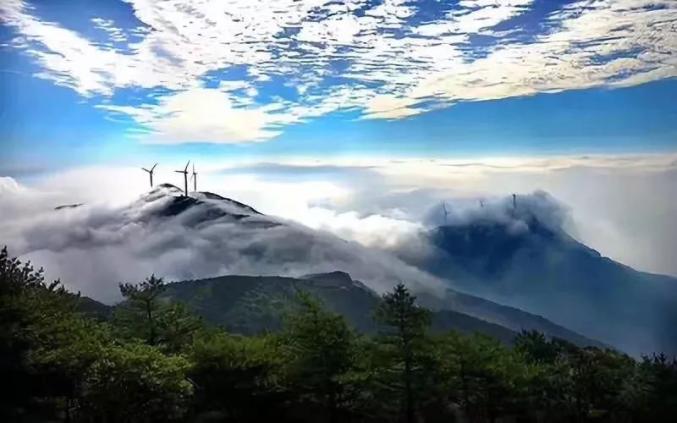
<point>622,206</point>
<point>205,70</point>
<point>94,247</point>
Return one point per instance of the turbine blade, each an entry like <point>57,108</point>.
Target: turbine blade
<point>143,168</point>
<point>186,168</point>
<point>153,168</point>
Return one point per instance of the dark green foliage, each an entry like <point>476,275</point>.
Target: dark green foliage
<point>136,382</point>
<point>60,365</point>
<point>139,315</point>
<point>481,377</point>
<point>404,342</point>
<point>318,350</point>
<point>237,378</point>
<point>146,317</point>
<point>655,389</point>
<point>586,384</point>
<point>536,348</point>
<point>250,305</point>
<point>37,323</point>
<point>155,361</point>
<point>177,327</point>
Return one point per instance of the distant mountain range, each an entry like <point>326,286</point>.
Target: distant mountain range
<point>526,261</point>
<point>504,267</point>
<point>256,304</point>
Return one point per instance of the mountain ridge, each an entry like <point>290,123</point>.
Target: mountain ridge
<point>254,304</point>
<point>204,234</point>
<point>523,262</point>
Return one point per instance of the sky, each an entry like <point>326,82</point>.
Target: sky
<point>335,112</point>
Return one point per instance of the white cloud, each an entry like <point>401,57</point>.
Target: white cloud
<point>621,205</point>
<point>484,14</point>
<point>390,63</point>
<point>390,107</point>
<point>95,246</point>
<point>108,26</point>
<point>200,115</point>
<point>9,186</point>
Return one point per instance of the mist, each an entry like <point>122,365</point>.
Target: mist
<point>363,211</point>
<point>94,247</point>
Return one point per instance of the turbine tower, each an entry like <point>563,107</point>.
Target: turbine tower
<point>514,201</point>
<point>445,211</point>
<point>150,173</point>
<point>185,177</point>
<point>194,177</point>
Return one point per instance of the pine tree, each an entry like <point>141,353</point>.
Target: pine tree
<point>319,344</point>
<point>139,315</point>
<point>404,332</point>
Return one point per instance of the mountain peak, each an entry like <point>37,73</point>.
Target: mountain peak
<point>180,202</point>
<point>517,213</point>
<point>199,207</point>
<point>162,190</point>
<point>518,253</point>
<point>335,276</point>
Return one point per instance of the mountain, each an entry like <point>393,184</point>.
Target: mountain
<point>194,238</point>
<point>256,304</point>
<point>505,316</point>
<point>525,259</point>
<point>299,248</point>
<point>94,309</point>
<point>253,304</point>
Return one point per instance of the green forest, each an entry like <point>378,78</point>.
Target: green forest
<point>154,360</point>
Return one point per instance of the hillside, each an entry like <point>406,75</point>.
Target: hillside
<point>525,261</point>
<point>191,238</point>
<point>252,304</point>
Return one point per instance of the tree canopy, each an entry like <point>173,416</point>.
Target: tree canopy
<point>153,360</point>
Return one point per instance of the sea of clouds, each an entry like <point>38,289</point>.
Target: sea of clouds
<point>95,246</point>
<point>354,217</point>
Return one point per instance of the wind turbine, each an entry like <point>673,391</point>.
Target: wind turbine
<point>514,201</point>
<point>194,177</point>
<point>150,173</point>
<point>445,211</point>
<point>185,177</point>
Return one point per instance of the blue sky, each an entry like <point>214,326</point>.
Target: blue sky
<point>87,82</point>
